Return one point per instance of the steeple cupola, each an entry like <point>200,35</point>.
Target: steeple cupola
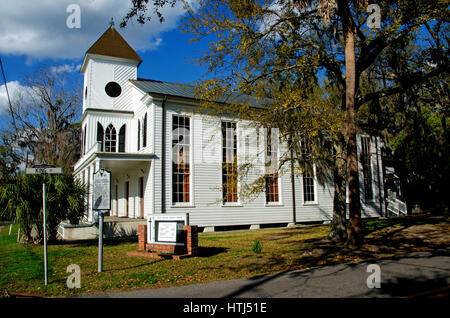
<point>108,65</point>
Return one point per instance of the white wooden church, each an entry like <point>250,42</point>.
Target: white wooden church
<point>138,129</point>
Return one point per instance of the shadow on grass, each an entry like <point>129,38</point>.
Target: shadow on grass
<point>134,266</point>
<point>204,251</point>
<point>94,242</point>
<point>370,226</point>
<point>93,273</point>
<point>396,237</point>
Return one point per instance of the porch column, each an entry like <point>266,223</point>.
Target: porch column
<point>91,170</point>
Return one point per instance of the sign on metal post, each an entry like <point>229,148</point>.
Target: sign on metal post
<point>44,198</point>
<point>101,202</point>
<point>44,169</point>
<point>102,190</point>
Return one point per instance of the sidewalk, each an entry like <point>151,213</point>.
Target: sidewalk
<point>420,274</point>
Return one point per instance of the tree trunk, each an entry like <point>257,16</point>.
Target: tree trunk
<point>355,236</point>
<point>339,225</point>
<point>291,158</point>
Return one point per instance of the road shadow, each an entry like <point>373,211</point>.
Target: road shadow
<point>433,283</point>
<point>417,287</point>
<point>257,282</point>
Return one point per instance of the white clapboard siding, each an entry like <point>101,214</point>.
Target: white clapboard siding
<point>205,207</point>
<point>122,74</point>
<point>206,174</point>
<point>99,72</point>
<point>102,72</point>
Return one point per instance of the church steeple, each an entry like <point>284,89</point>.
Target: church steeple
<point>108,66</point>
<point>112,44</point>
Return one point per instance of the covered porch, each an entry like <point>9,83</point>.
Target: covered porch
<point>130,182</point>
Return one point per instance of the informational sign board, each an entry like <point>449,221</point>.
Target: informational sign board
<point>167,228</point>
<point>167,231</point>
<point>101,199</point>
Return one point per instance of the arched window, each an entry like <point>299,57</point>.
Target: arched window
<point>122,132</point>
<point>100,135</point>
<point>110,139</point>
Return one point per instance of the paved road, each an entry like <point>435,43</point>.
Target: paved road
<point>417,274</point>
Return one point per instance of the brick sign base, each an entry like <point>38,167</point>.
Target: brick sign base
<point>152,250</point>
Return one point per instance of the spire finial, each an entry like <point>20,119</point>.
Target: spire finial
<point>111,23</point>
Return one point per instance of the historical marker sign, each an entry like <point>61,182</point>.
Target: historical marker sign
<point>102,190</point>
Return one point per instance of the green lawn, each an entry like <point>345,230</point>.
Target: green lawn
<point>223,255</point>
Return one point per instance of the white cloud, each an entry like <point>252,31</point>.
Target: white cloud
<point>38,29</point>
<point>65,68</point>
<point>14,88</point>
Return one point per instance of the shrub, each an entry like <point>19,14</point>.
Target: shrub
<point>21,199</point>
<point>257,247</point>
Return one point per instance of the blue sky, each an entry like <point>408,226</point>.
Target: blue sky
<point>36,32</point>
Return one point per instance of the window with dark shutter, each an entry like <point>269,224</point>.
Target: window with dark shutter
<point>84,139</point>
<point>139,136</point>
<point>100,134</point>
<point>144,132</point>
<point>122,133</point>
<point>366,164</point>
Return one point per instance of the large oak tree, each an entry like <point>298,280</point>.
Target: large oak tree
<point>255,41</point>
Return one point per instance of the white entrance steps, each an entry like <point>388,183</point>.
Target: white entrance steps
<point>113,227</point>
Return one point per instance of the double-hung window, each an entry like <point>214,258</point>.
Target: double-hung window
<point>308,174</point>
<point>229,163</point>
<point>271,165</point>
<point>366,164</point>
<point>181,149</point>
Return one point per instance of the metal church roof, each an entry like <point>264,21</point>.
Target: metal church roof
<point>186,91</point>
